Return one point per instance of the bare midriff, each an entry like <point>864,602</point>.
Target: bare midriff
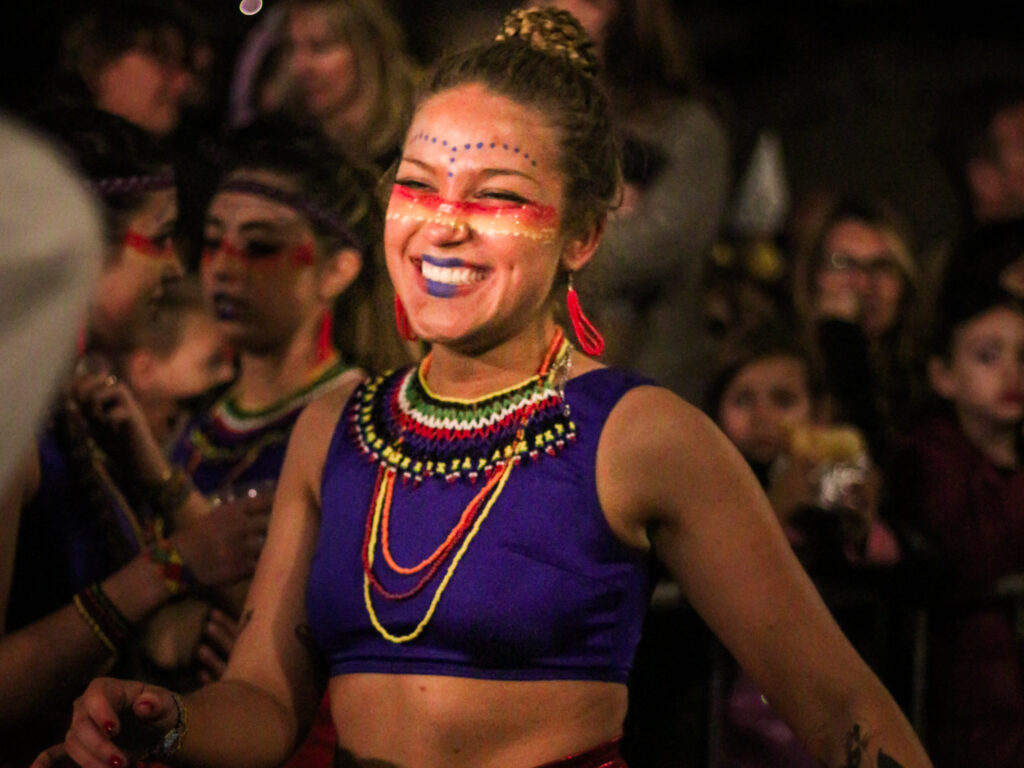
<point>426,721</point>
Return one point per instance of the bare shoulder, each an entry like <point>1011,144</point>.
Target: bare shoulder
<point>661,460</point>
<point>316,425</point>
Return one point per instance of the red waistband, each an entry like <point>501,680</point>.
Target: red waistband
<point>605,755</point>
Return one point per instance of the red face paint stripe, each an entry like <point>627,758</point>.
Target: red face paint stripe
<point>532,214</point>
<point>147,246</point>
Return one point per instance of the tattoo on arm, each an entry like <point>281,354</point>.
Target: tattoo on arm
<point>856,747</point>
<point>884,761</point>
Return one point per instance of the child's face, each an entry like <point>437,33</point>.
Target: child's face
<point>984,376</point>
<point>763,399</point>
<point>198,364</point>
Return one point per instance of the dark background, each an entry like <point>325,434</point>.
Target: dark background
<point>851,86</point>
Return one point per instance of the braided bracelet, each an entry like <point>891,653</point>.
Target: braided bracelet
<point>103,617</point>
<point>174,739</point>
<point>168,560</point>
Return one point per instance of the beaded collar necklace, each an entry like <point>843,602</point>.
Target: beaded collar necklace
<point>409,432</point>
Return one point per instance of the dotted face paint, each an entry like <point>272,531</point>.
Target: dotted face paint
<point>530,220</point>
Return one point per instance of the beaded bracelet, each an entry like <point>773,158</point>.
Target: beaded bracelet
<point>167,558</point>
<point>172,491</point>
<point>103,617</point>
<point>174,739</point>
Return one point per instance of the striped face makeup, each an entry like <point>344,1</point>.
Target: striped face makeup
<point>498,215</point>
<point>474,236</point>
<point>510,219</point>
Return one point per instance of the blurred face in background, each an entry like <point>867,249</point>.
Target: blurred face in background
<point>984,375</point>
<point>139,262</point>
<point>323,67</point>
<point>859,262</point>
<point>199,362</point>
<point>259,268</point>
<point>148,84</point>
<point>765,399</point>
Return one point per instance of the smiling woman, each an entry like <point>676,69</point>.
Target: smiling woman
<point>467,541</point>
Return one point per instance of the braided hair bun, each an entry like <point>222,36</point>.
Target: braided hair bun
<point>552,31</point>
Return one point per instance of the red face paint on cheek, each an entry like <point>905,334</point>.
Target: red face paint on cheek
<point>530,220</point>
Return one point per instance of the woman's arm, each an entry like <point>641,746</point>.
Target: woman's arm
<point>256,714</point>
<point>667,477</point>
<point>56,656</point>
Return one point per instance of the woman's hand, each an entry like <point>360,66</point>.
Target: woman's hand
<point>222,547</point>
<point>113,723</point>
<point>119,422</point>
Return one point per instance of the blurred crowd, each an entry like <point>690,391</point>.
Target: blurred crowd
<point>192,220</point>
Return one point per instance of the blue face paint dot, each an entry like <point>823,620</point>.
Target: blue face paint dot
<point>492,145</point>
<point>451,160</point>
<point>505,146</point>
<point>450,174</point>
<point>445,142</point>
<point>516,150</point>
<point>479,145</point>
<point>434,140</point>
<point>468,146</point>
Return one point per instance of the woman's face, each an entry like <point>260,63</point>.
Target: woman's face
<point>859,261</point>
<point>259,267</point>
<point>765,399</point>
<point>141,261</point>
<point>147,87</point>
<point>473,236</point>
<point>324,69</point>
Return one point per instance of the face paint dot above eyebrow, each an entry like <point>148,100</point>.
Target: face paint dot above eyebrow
<point>505,146</point>
<point>451,160</point>
<point>479,145</point>
<point>450,174</point>
<point>468,146</point>
<point>516,150</point>
<point>492,145</point>
<point>434,140</point>
<point>445,142</point>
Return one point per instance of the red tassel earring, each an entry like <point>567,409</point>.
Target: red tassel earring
<point>402,321</point>
<point>325,337</point>
<point>591,341</point>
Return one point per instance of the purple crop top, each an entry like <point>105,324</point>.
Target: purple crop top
<point>544,591</point>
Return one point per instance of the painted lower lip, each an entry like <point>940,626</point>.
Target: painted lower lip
<point>441,290</point>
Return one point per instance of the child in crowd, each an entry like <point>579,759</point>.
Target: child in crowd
<point>176,357</point>
<point>958,478</point>
<point>770,399</point>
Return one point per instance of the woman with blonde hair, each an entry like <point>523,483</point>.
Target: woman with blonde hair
<point>857,288</point>
<point>349,72</point>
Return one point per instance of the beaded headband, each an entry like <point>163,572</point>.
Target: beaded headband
<point>325,218</point>
<point>118,185</point>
